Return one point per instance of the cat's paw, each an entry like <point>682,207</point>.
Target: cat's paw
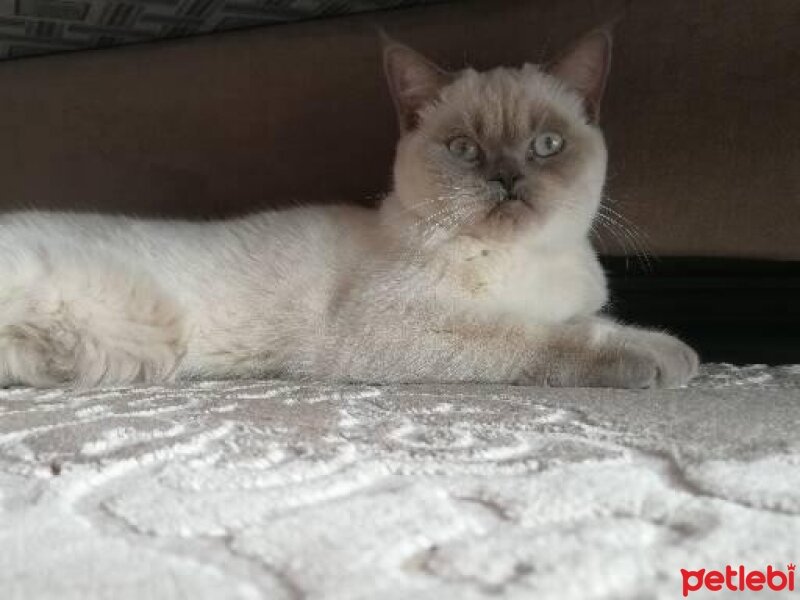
<point>638,359</point>
<point>602,353</point>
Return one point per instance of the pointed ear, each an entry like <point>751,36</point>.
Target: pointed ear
<point>414,81</point>
<point>584,68</point>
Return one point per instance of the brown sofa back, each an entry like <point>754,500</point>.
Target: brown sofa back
<point>701,116</point>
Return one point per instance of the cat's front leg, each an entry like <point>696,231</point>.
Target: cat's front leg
<point>590,352</point>
<point>602,353</point>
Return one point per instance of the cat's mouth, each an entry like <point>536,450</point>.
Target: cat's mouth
<point>511,200</point>
<point>506,196</point>
<point>513,209</point>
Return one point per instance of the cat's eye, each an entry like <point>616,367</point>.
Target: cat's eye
<point>464,148</point>
<point>546,144</point>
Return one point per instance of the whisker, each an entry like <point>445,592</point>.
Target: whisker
<point>637,239</point>
<point>624,238</point>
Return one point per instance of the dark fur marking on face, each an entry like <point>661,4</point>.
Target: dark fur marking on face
<point>508,191</point>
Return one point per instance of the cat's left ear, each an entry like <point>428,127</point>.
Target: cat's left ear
<point>584,68</point>
<point>413,80</point>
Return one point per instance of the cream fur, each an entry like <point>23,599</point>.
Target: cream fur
<point>440,284</point>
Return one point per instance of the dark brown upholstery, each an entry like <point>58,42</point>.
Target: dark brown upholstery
<point>701,115</point>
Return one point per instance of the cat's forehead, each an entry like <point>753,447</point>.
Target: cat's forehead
<point>507,104</point>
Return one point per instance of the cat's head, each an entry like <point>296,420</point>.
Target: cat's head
<point>507,154</point>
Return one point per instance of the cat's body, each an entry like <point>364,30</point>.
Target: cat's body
<point>227,299</point>
<point>437,285</point>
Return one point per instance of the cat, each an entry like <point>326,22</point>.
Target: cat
<point>476,267</point>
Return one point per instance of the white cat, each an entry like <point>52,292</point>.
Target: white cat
<point>477,266</point>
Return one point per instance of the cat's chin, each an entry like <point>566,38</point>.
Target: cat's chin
<point>511,217</point>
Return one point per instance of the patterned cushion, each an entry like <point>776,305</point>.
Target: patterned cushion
<point>29,27</point>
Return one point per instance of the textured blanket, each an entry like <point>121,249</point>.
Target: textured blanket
<point>278,490</point>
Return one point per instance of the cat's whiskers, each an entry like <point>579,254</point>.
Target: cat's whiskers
<point>457,198</point>
<point>637,237</point>
<point>438,227</point>
<point>444,221</point>
<point>626,237</point>
<point>595,233</point>
<point>634,229</point>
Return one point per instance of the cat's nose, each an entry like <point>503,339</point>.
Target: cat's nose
<point>507,181</point>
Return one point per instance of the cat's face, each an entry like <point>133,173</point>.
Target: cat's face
<point>507,154</point>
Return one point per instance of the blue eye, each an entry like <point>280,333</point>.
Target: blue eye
<point>464,148</point>
<point>546,144</point>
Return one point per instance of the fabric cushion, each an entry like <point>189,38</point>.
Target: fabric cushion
<point>29,27</point>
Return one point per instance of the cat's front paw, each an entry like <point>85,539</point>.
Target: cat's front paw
<point>640,359</point>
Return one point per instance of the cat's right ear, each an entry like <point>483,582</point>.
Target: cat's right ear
<point>414,81</point>
<point>584,68</point>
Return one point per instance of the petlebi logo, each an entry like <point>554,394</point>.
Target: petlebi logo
<point>739,579</point>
